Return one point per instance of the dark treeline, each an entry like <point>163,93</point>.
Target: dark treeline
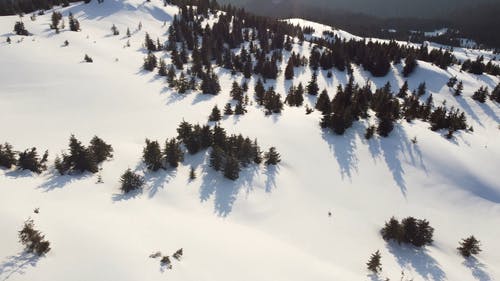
<point>11,7</point>
<point>229,153</point>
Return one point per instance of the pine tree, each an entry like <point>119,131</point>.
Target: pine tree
<point>392,230</point>
<point>289,71</point>
<point>152,155</point>
<point>272,157</point>
<point>228,110</point>
<point>131,181</point>
<point>100,149</point>
<point>7,156</point>
<point>410,65</point>
<point>480,95</point>
<point>216,158</point>
<point>312,87</point>
<point>323,103</point>
<point>374,264</point>
<point>173,153</point>
<point>29,160</point>
<point>150,62</point>
<point>451,82</point>
<point>495,94</point>
<point>469,246</point>
<point>88,59</point>
<point>115,30</point>
<point>215,116</point>
<point>162,68</point>
<point>74,24</point>
<point>231,168</point>
<point>128,32</point>
<point>239,109</point>
<point>182,84</point>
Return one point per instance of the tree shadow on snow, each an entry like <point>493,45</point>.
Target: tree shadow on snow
<point>418,259</point>
<point>19,174</point>
<point>344,150</point>
<point>17,264</point>
<point>477,268</point>
<point>155,181</point>
<point>466,107</point>
<point>487,109</point>
<point>224,190</point>
<point>55,180</point>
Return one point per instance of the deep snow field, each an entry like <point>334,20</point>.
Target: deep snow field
<point>271,223</point>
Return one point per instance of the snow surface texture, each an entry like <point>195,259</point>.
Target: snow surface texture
<point>270,224</point>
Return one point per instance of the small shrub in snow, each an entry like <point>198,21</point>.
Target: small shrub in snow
<point>178,254</point>
<point>152,156</point>
<point>88,59</point>
<point>130,181</point>
<point>115,30</point>
<point>469,246</point>
<point>481,94</point>
<point>19,29</point>
<point>33,239</point>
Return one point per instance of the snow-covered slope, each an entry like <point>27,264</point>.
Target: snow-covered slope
<point>270,224</point>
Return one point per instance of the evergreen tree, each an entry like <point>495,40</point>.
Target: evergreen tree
<point>115,30</point>
<point>7,156</point>
<point>480,95</point>
<point>272,157</point>
<point>239,109</point>
<point>149,43</point>
<point>150,62</point>
<point>312,87</point>
<point>182,84</point>
<point>227,109</point>
<point>173,153</point>
<point>215,115</point>
<point>29,160</point>
<point>81,159</point>
<point>469,246</point>
<point>131,181</point>
<point>403,92</point>
<point>495,94</point>
<point>236,92</point>
<point>323,102</point>
<point>100,149</point>
<point>216,158</point>
<point>33,240</point>
<point>19,29</point>
<point>162,68</point>
<point>410,65</point>
<point>55,19</point>
<point>392,230</point>
<point>74,24</point>
<point>374,265</point>
<point>231,168</point>
<point>152,155</point>
<point>451,82</point>
<point>289,71</point>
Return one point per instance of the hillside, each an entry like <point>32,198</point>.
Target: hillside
<point>272,222</point>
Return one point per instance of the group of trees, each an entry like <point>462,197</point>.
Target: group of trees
<point>28,6</point>
<point>25,160</point>
<point>478,67</point>
<point>467,247</point>
<point>269,99</point>
<point>352,102</point>
<point>410,231</point>
<point>229,152</point>
<point>83,159</point>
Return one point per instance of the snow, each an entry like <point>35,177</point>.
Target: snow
<point>436,33</point>
<point>270,224</point>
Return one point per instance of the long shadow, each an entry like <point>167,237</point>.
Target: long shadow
<point>201,98</point>
<point>343,148</point>
<point>19,174</point>
<point>477,268</point>
<point>155,181</point>
<point>487,109</point>
<point>271,172</point>
<point>17,264</point>
<point>390,147</point>
<point>419,259</point>
<point>225,191</point>
<point>468,109</point>
<point>59,181</point>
